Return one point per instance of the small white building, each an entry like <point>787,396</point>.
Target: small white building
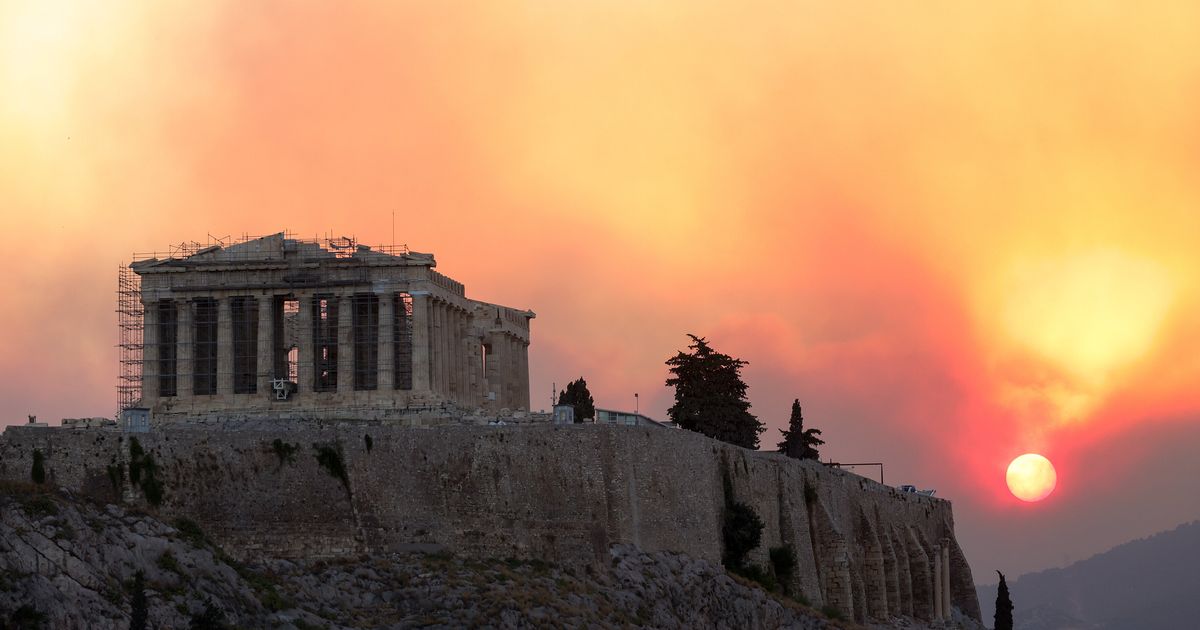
<point>627,418</point>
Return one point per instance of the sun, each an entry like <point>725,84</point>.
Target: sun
<point>1031,477</point>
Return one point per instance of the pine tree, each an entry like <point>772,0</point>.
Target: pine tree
<point>1004,607</point>
<point>139,614</point>
<point>577,395</point>
<point>797,441</point>
<point>710,396</point>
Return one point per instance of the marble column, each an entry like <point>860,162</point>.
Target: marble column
<point>445,360</point>
<point>420,341</point>
<point>495,367</point>
<point>266,343</point>
<point>386,366</point>
<point>523,375</point>
<point>224,346</point>
<point>149,352</point>
<point>305,370</point>
<point>345,343</point>
<point>184,351</point>
<point>462,384</point>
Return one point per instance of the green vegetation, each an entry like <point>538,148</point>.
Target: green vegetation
<point>116,476</point>
<point>831,611</point>
<point>190,531</point>
<point>710,396</point>
<point>39,505</point>
<point>143,473</point>
<point>284,451</point>
<point>742,531</point>
<point>38,472</point>
<point>167,562</point>
<point>1003,620</point>
<point>799,442</point>
<point>783,565</point>
<point>810,493</point>
<point>24,618</point>
<point>329,457</point>
<point>138,610</point>
<point>368,442</point>
<point>577,395</point>
<point>211,618</point>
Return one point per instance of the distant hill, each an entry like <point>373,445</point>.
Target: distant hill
<point>1150,584</point>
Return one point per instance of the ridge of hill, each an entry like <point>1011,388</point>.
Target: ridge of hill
<point>1149,583</point>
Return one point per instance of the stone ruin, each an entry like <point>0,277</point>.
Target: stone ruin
<point>278,327</point>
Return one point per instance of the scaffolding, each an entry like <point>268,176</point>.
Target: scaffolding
<point>130,318</point>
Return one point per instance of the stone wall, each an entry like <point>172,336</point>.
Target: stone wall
<point>559,493</point>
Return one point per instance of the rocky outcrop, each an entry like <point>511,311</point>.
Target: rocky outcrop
<point>560,494</point>
<point>65,564</point>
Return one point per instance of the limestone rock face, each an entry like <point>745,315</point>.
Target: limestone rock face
<point>563,494</point>
<point>71,565</point>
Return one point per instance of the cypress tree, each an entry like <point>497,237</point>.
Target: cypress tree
<point>139,613</point>
<point>797,441</point>
<point>1004,607</point>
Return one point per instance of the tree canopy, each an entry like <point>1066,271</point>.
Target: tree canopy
<point>797,441</point>
<point>710,396</point>
<point>577,395</point>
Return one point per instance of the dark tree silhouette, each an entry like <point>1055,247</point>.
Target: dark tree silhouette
<point>1004,607</point>
<point>797,441</point>
<point>710,396</point>
<point>211,618</point>
<point>139,613</point>
<point>577,395</point>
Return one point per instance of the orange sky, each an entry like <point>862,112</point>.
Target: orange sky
<point>956,232</point>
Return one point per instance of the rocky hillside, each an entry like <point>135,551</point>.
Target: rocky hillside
<point>65,563</point>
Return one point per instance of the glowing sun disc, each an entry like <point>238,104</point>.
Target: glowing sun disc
<point>1031,477</point>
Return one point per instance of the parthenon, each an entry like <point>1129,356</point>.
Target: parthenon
<point>282,326</point>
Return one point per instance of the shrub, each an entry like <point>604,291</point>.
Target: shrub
<point>24,617</point>
<point>116,476</point>
<point>810,494</point>
<point>368,442</point>
<point>135,461</point>
<point>167,562</point>
<point>329,457</point>
<point>757,574</point>
<point>211,618</point>
<point>38,472</point>
<point>831,611</point>
<point>783,564</point>
<point>190,531</point>
<point>40,505</point>
<point>742,532</point>
<point>143,472</point>
<point>284,451</point>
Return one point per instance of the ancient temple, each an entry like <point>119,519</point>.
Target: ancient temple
<point>317,328</point>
